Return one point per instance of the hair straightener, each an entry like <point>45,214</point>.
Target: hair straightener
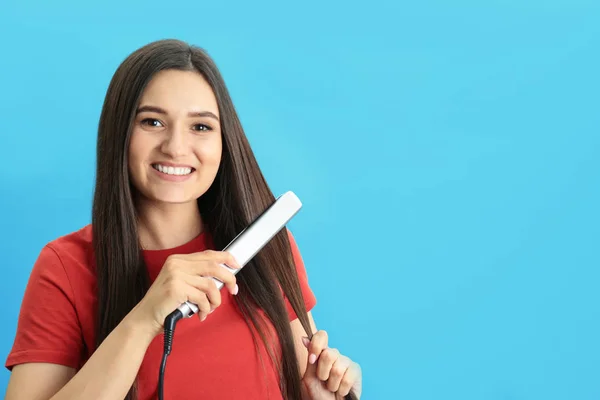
<point>252,239</point>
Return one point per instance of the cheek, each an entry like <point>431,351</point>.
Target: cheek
<point>210,153</point>
<point>138,149</point>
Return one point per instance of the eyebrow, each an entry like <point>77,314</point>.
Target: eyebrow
<point>190,114</point>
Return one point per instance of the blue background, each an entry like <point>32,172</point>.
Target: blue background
<point>447,154</point>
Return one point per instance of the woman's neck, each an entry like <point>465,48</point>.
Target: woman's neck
<point>164,226</point>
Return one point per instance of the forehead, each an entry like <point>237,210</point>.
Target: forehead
<point>180,91</point>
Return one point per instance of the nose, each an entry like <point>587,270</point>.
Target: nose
<point>175,143</point>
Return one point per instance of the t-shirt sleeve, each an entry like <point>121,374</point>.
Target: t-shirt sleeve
<point>48,329</point>
<point>309,298</point>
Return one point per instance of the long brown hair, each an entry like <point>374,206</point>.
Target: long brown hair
<point>237,196</point>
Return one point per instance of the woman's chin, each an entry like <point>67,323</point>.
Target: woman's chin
<point>171,199</point>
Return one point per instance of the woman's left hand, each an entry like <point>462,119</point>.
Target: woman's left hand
<point>329,375</point>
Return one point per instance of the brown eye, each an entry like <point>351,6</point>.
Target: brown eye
<point>202,127</point>
<point>151,122</point>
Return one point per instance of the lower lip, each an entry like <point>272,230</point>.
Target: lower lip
<point>172,178</point>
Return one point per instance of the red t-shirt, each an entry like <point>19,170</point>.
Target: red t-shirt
<point>214,359</point>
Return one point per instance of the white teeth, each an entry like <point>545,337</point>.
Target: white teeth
<point>173,170</point>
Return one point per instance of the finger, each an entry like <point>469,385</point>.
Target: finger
<point>338,369</point>
<point>231,261</point>
<point>199,298</point>
<point>217,271</point>
<point>206,268</point>
<point>209,287</point>
<point>326,360</point>
<point>317,345</point>
<point>221,257</point>
<point>348,380</point>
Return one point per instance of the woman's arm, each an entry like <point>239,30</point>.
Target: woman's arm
<point>37,380</point>
<point>108,374</point>
<point>112,368</point>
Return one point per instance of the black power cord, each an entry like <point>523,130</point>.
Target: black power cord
<point>169,326</point>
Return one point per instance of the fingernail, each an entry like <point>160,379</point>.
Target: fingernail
<point>305,341</point>
<point>236,289</point>
<point>312,358</point>
<point>203,317</point>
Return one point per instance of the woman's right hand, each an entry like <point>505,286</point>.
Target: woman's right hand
<point>187,277</point>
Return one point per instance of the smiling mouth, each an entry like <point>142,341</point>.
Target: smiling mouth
<point>179,171</point>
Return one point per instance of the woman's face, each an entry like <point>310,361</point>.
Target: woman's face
<point>175,147</point>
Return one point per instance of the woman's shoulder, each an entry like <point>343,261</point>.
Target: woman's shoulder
<point>79,236</point>
<point>75,247</point>
<point>79,239</point>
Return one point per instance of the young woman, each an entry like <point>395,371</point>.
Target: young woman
<point>176,180</point>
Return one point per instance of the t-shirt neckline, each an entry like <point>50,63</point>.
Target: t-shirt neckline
<point>191,245</point>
